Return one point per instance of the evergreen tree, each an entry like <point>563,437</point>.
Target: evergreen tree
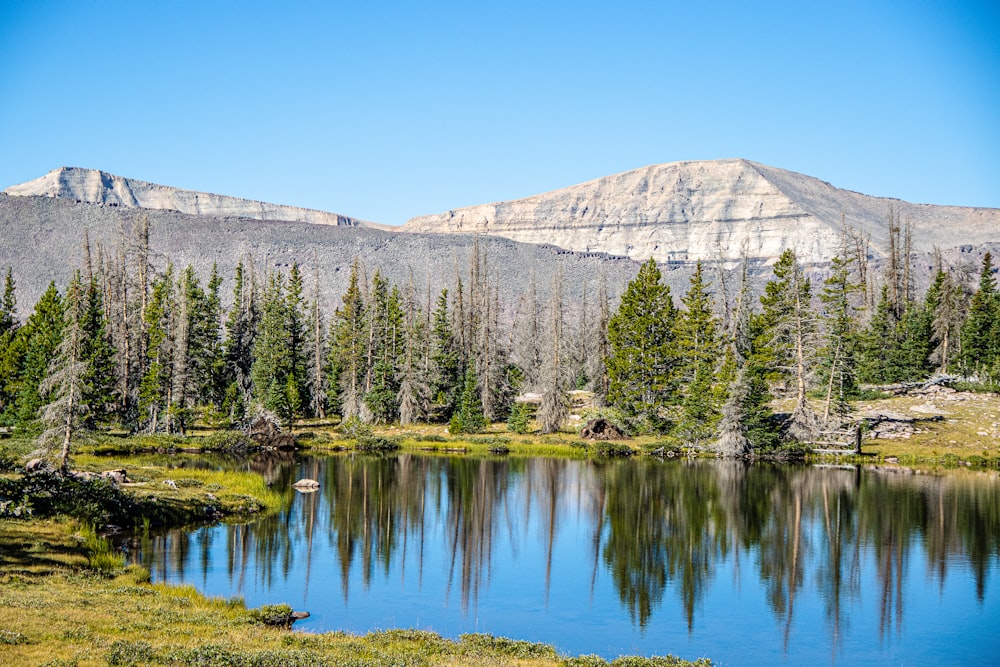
<point>468,418</point>
<point>241,332</point>
<point>413,397</point>
<point>697,346</point>
<point>64,385</point>
<point>643,358</point>
<point>155,390</point>
<point>298,390</point>
<point>446,380</point>
<point>8,305</point>
<point>347,349</point>
<point>272,354</point>
<point>944,302</point>
<point>980,342</point>
<point>38,338</point>
<point>787,337</point>
<point>554,408</point>
<point>317,376</point>
<point>838,356</point>
<point>385,344</point>
<point>12,350</point>
<point>99,386</point>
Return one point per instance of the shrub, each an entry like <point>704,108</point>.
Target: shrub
<point>130,653</point>
<point>612,449</point>
<point>353,427</point>
<point>515,648</point>
<point>519,419</point>
<point>585,661</point>
<point>8,462</point>
<point>377,444</point>
<point>229,441</point>
<point>9,637</point>
<point>276,615</point>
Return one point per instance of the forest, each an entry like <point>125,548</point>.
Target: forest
<point>134,344</point>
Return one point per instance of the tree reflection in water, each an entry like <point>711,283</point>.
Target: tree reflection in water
<point>656,529</point>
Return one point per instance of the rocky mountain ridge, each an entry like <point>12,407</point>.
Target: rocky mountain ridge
<point>712,210</point>
<point>99,187</point>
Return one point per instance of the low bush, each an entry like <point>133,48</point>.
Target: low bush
<point>612,449</point>
<point>515,648</point>
<point>377,444</point>
<point>130,653</point>
<point>235,442</point>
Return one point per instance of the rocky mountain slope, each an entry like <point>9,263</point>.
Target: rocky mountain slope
<point>41,238</point>
<point>712,210</point>
<point>98,187</point>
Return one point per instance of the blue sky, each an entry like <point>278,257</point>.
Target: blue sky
<point>386,110</point>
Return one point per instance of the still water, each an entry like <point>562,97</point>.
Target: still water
<point>744,564</point>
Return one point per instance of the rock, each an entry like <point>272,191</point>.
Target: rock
<point>601,429</point>
<point>98,187</point>
<point>306,485</point>
<point>116,476</point>
<point>891,459</point>
<point>709,210</point>
<point>927,409</point>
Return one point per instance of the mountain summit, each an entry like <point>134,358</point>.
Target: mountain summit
<point>712,210</point>
<point>98,187</point>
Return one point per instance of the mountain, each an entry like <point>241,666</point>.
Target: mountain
<point>97,187</point>
<point>712,210</point>
<point>41,239</point>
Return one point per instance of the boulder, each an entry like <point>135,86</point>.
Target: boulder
<point>601,429</point>
<point>306,485</point>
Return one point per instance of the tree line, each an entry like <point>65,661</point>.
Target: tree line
<point>144,349</point>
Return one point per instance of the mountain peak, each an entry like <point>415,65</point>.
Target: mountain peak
<point>713,210</point>
<point>93,186</point>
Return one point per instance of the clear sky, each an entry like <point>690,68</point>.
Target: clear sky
<point>387,110</point>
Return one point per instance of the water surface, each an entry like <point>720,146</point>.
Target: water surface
<point>745,564</point>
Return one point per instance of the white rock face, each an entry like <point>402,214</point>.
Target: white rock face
<point>98,187</point>
<point>711,210</point>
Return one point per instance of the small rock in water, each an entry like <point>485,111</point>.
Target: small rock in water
<point>306,485</point>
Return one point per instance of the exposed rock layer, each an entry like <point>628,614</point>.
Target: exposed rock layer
<point>98,187</point>
<point>711,210</point>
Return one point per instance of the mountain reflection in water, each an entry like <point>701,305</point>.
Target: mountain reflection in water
<point>740,563</point>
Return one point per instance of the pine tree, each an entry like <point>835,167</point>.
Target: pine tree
<point>272,354</point>
<point>8,305</point>
<point>468,418</point>
<point>39,338</point>
<point>446,380</point>
<point>554,409</point>
<point>317,378</point>
<point>63,386</point>
<point>413,397</point>
<point>347,349</point>
<point>944,300</point>
<point>99,386</point>
<point>12,350</point>
<point>643,358</point>
<point>298,390</point>
<point>980,344</point>
<point>788,337</point>
<point>697,346</point>
<point>241,332</point>
<point>838,356</point>
<point>155,390</point>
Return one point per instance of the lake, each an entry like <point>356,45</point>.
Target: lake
<point>741,563</point>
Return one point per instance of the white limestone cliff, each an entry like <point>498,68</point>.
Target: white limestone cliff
<point>711,210</point>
